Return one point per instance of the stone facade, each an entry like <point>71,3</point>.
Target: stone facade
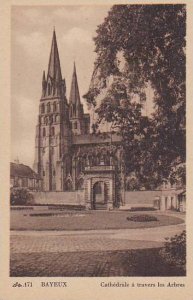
<point>67,156</point>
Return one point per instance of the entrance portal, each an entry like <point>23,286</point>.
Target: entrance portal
<point>99,195</point>
<point>99,187</point>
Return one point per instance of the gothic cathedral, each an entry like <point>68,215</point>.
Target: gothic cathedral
<point>67,156</point>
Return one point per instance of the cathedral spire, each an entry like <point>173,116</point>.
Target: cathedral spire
<point>54,70</point>
<point>74,92</point>
<point>54,85</point>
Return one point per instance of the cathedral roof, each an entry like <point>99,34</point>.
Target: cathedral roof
<point>54,70</point>
<point>85,139</point>
<point>74,92</point>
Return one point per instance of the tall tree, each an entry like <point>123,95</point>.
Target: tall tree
<point>149,42</point>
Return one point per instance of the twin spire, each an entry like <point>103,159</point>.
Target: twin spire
<point>74,92</point>
<point>54,85</point>
<point>54,70</point>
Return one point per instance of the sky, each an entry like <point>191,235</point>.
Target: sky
<point>31,36</point>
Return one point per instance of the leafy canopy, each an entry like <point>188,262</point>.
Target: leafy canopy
<point>149,41</point>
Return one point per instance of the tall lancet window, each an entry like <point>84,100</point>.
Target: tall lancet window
<point>44,132</point>
<point>52,131</point>
<point>49,89</point>
<point>54,107</point>
<point>48,107</point>
<point>75,125</point>
<point>46,120</point>
<point>43,108</point>
<point>57,118</point>
<point>51,119</point>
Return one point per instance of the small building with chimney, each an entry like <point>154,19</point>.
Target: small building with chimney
<point>22,176</point>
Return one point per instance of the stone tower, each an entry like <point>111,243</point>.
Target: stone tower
<point>80,122</point>
<point>53,131</point>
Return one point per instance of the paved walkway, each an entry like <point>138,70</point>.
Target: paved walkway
<point>92,240</point>
<point>123,252</point>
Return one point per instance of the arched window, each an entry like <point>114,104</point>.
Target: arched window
<point>51,119</point>
<point>49,88</point>
<point>107,159</point>
<point>98,158</point>
<point>52,131</point>
<point>44,132</point>
<point>75,125</point>
<point>54,106</point>
<point>102,160</point>
<point>57,118</point>
<point>46,120</point>
<point>43,108</point>
<point>48,107</point>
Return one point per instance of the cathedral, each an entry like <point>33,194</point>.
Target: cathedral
<point>68,157</point>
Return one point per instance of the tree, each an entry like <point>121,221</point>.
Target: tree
<point>136,46</point>
<point>174,250</point>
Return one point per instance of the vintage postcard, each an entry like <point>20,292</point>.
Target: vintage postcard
<point>96,150</point>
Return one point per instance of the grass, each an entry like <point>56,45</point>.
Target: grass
<point>83,220</point>
<point>143,262</point>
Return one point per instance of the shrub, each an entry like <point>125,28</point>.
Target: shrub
<point>174,251</point>
<point>142,208</point>
<point>21,196</point>
<point>142,218</point>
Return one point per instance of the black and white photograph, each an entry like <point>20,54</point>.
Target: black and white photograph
<point>98,141</point>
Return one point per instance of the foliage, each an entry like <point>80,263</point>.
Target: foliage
<point>142,218</point>
<point>178,174</point>
<point>174,251</point>
<point>139,46</point>
<point>132,184</point>
<point>142,208</point>
<point>21,196</point>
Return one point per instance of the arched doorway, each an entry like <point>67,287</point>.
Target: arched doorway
<point>99,195</point>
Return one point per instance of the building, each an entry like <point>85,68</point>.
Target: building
<point>182,201</point>
<point>173,197</point>
<point>23,176</point>
<point>170,197</point>
<point>67,156</point>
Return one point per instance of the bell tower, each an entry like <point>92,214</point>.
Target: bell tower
<point>53,131</point>
<point>80,122</point>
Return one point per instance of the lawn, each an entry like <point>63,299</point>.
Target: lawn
<point>143,262</point>
<point>83,220</point>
